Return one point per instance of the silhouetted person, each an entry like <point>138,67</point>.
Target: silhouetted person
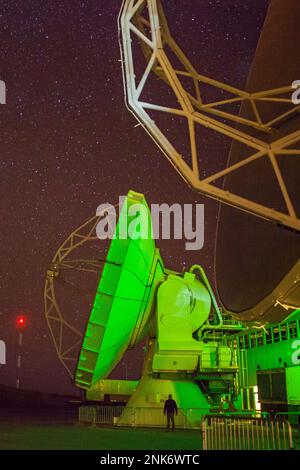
<point>170,409</point>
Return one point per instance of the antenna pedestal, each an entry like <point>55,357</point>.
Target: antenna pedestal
<point>145,407</point>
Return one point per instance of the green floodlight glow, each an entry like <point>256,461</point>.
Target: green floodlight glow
<point>138,297</point>
<point>123,303</point>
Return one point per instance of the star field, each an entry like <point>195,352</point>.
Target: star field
<point>69,144</point>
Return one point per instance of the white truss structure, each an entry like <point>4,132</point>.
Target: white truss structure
<point>144,20</point>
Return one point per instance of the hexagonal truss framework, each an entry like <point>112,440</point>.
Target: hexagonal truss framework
<point>145,21</point>
<point>63,260</point>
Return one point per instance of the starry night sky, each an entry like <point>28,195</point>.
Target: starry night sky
<point>68,144</point>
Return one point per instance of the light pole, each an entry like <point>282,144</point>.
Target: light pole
<point>21,324</point>
<point>2,350</point>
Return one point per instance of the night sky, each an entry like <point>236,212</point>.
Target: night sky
<point>68,144</point>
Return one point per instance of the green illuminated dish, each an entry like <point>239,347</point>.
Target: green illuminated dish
<point>124,299</point>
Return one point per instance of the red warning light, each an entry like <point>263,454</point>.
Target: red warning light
<point>21,322</point>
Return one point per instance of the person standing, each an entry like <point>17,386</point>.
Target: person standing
<point>170,409</point>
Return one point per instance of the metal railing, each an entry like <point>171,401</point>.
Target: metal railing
<point>99,414</point>
<point>187,418</point>
<point>245,430</point>
<point>245,433</point>
<point>139,416</point>
<point>293,418</point>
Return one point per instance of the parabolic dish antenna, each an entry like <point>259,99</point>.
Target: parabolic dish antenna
<point>257,258</point>
<point>138,298</point>
<point>257,263</point>
<point>124,299</point>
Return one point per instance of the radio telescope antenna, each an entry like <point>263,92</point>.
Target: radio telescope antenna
<point>143,23</point>
<point>137,298</point>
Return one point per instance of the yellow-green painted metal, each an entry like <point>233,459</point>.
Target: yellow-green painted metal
<point>115,388</point>
<point>148,401</point>
<point>183,305</point>
<point>124,299</point>
<point>136,297</point>
<point>276,347</point>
